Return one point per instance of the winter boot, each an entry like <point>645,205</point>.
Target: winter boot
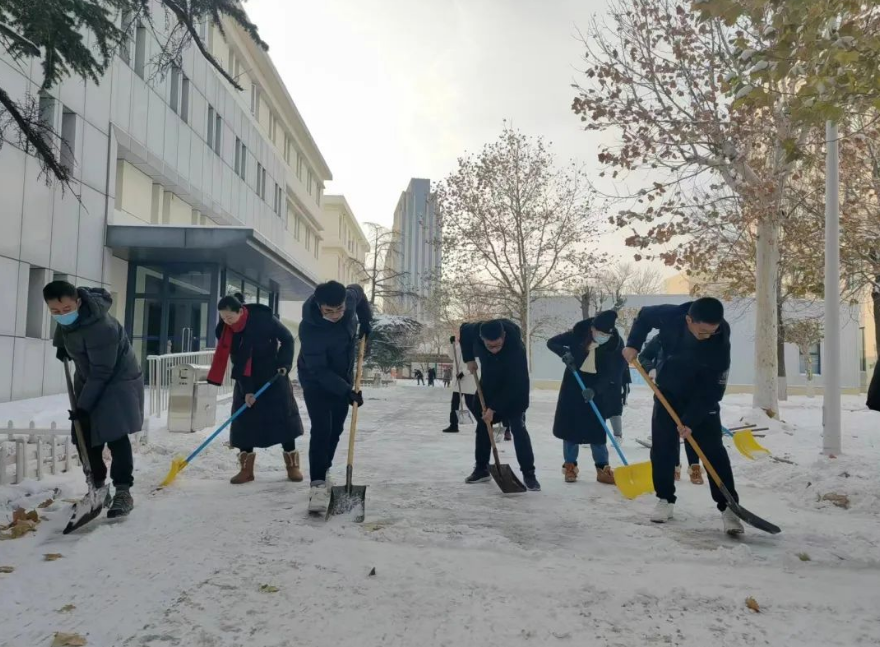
<point>319,497</point>
<point>662,512</point>
<point>451,429</point>
<point>479,475</point>
<point>122,504</point>
<point>246,473</point>
<point>732,525</point>
<point>696,474</point>
<point>678,472</point>
<point>291,462</point>
<point>605,475</point>
<point>507,435</point>
<point>571,472</point>
<point>531,482</point>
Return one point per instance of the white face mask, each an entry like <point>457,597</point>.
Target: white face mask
<point>601,339</point>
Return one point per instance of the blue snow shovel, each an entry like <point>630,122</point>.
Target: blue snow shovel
<point>178,464</point>
<point>632,480</point>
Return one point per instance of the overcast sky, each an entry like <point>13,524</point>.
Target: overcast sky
<point>394,89</point>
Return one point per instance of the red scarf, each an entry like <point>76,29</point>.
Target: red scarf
<point>224,350</point>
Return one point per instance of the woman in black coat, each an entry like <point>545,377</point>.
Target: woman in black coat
<point>260,348</point>
<point>594,347</point>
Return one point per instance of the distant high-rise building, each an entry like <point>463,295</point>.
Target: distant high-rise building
<point>415,260</point>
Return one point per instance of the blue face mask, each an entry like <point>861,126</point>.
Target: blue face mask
<point>66,319</point>
<point>601,339</point>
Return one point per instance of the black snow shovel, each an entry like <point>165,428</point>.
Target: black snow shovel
<point>90,506</point>
<point>348,498</point>
<point>501,473</point>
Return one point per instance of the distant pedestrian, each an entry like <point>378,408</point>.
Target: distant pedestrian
<point>447,377</point>
<point>432,375</point>
<point>420,377</point>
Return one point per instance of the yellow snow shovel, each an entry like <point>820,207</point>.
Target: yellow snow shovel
<point>746,443</point>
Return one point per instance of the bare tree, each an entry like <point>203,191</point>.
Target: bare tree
<point>515,226</point>
<point>805,334</point>
<point>614,283</point>
<point>383,281</point>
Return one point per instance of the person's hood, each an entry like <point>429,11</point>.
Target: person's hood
<point>94,305</point>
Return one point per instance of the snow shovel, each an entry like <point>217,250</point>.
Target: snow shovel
<point>749,517</point>
<point>178,464</point>
<point>90,506</point>
<point>501,473</point>
<point>745,442</point>
<point>351,498</point>
<point>632,480</point>
<point>464,416</point>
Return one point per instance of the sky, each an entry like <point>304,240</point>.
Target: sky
<point>394,89</point>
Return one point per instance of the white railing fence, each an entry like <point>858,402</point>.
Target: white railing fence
<point>30,452</point>
<point>159,368</point>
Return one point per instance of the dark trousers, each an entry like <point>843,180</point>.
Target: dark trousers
<point>327,414</point>
<point>691,454</point>
<point>456,405</point>
<point>121,459</point>
<point>665,452</point>
<point>522,443</point>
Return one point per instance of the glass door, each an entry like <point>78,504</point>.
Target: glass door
<point>187,325</point>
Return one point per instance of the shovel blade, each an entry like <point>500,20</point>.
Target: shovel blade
<point>87,509</point>
<point>177,466</point>
<point>752,519</point>
<point>348,500</point>
<point>505,478</point>
<point>747,445</point>
<point>634,480</point>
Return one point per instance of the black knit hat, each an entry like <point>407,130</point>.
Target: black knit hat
<point>604,321</point>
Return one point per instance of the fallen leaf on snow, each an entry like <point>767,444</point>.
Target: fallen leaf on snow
<point>803,557</point>
<point>840,500</point>
<point>19,529</point>
<point>45,504</point>
<point>752,604</point>
<point>67,608</point>
<point>268,588</point>
<point>6,569</point>
<point>51,557</point>
<point>68,640</point>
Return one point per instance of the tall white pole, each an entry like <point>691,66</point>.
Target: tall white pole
<point>831,360</point>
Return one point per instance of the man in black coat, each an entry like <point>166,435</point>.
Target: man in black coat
<point>108,385</point>
<point>692,375</point>
<point>328,337</point>
<point>874,390</point>
<point>504,378</point>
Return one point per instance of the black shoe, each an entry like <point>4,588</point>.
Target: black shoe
<point>507,434</point>
<point>531,482</point>
<point>121,506</point>
<point>451,429</point>
<point>479,475</point>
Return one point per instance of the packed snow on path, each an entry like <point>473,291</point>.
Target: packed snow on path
<point>459,565</point>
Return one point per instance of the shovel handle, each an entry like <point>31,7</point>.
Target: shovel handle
<point>677,420</point>
<point>77,426</point>
<point>354,411</point>
<point>599,416</point>
<point>488,427</point>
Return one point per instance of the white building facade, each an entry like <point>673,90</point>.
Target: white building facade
<point>344,247</point>
<point>185,189</point>
<point>564,312</point>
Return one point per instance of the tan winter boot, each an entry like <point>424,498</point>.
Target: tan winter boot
<point>605,475</point>
<point>571,472</point>
<point>678,472</point>
<point>246,473</point>
<point>696,474</point>
<point>291,462</point>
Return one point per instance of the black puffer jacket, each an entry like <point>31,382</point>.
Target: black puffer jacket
<point>327,349</point>
<point>874,390</point>
<point>504,376</point>
<point>108,382</point>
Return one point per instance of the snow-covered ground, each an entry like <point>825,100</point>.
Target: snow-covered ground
<point>456,565</point>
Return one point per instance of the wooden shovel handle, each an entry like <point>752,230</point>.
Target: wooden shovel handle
<point>489,428</point>
<point>354,408</point>
<point>677,420</point>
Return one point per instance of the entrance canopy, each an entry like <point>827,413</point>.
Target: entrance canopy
<point>240,249</point>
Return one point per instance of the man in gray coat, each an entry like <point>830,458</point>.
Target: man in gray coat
<point>109,386</point>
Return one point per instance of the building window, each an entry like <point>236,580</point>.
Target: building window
<point>317,245</point>
<point>308,238</point>
<point>140,50</point>
<point>863,360</point>
<point>278,199</point>
<point>273,126</point>
<point>309,183</point>
<point>210,127</point>
<point>68,139</point>
<point>47,118</point>
<point>35,303</point>
<point>296,228</point>
<point>230,63</point>
<point>184,99</point>
<point>218,131</point>
<point>815,360</point>
<point>255,101</point>
<point>319,193</point>
<point>287,149</point>
<point>299,165</point>
<point>175,88</point>
<point>238,165</point>
<point>125,45</point>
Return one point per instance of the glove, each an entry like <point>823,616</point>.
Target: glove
<point>61,354</point>
<point>588,394</point>
<point>459,377</point>
<point>365,331</point>
<point>568,358</point>
<point>79,414</point>
<point>452,339</point>
<point>355,398</point>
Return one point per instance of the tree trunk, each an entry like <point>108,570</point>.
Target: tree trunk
<point>875,295</point>
<point>782,377</point>
<point>585,305</point>
<point>766,276</point>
